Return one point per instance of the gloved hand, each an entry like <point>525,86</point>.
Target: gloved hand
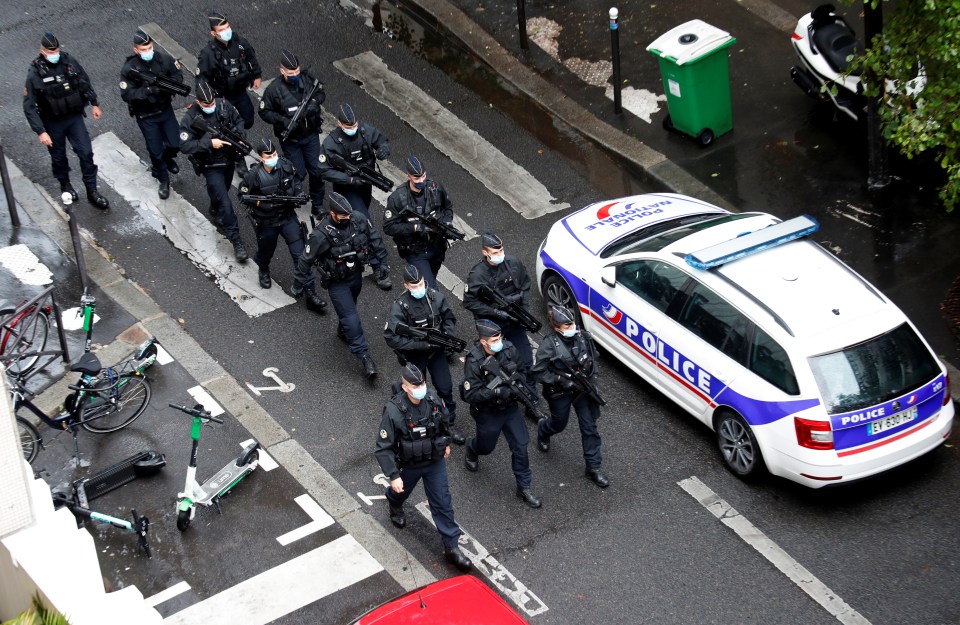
<point>503,392</point>
<point>514,298</point>
<point>503,315</point>
<point>566,384</point>
<point>354,182</point>
<point>383,152</point>
<point>422,346</point>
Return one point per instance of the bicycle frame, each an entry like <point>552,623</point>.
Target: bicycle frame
<point>26,313</point>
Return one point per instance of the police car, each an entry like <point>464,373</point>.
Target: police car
<point>797,363</point>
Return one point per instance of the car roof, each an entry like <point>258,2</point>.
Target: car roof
<point>462,600</point>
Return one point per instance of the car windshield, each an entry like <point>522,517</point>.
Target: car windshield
<point>658,236</point>
<point>874,371</point>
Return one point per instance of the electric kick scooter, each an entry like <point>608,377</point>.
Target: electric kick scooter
<point>210,492</point>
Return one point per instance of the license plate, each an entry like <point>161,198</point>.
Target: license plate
<point>882,425</point>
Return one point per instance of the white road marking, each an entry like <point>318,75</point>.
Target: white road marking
<point>166,595</point>
<point>527,195</point>
<point>202,397</point>
<point>640,102</point>
<point>24,265</point>
<point>163,356</point>
<point>72,319</point>
<point>369,499</point>
<point>267,463</point>
<point>186,228</point>
<point>772,552</point>
<point>284,588</point>
<point>271,372</point>
<point>319,519</point>
<point>498,574</point>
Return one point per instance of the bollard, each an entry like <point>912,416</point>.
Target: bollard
<point>75,237</point>
<point>615,45</point>
<point>522,23</point>
<point>8,191</point>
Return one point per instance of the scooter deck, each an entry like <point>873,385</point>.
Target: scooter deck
<point>113,477</point>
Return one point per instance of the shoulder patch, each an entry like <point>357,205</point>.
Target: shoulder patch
<point>123,84</point>
<point>323,158</point>
<point>383,434</point>
<point>263,104</point>
<point>244,189</point>
<point>184,136</point>
<point>307,249</point>
<point>198,71</point>
<point>386,325</point>
<point>176,64</point>
<point>388,214</point>
<point>466,385</point>
<point>466,287</point>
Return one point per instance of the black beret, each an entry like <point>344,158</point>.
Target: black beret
<point>411,275</point>
<point>339,204</point>
<point>345,115</point>
<point>205,93</point>
<point>141,38</point>
<point>289,60</point>
<point>561,315</point>
<point>266,146</point>
<point>414,166</point>
<point>486,328</point>
<point>489,239</point>
<point>216,19</point>
<point>412,374</point>
<point>49,41</point>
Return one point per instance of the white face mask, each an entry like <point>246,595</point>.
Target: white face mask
<point>210,110</point>
<point>419,392</point>
<point>146,56</point>
<point>496,259</point>
<point>226,34</point>
<point>349,131</point>
<point>495,347</point>
<point>419,292</point>
<point>271,162</point>
<point>569,333</point>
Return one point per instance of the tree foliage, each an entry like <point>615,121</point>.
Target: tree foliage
<point>928,32</point>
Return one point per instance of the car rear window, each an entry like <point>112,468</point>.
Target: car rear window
<point>632,242</point>
<point>874,371</point>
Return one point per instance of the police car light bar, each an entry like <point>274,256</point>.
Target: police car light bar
<point>753,242</point>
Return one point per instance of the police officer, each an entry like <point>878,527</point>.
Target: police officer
<point>213,158</point>
<point>414,444</point>
<point>358,144</point>
<point>272,219</point>
<point>493,405</point>
<point>54,98</point>
<point>150,105</point>
<point>280,101</point>
<point>340,246</point>
<point>229,63</point>
<point>424,307</point>
<point>505,273</point>
<point>566,351</point>
<point>416,243</point>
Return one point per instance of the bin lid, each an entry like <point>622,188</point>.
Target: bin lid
<point>690,41</point>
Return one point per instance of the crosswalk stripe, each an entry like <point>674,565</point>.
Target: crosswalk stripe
<point>186,228</point>
<point>527,195</point>
<point>281,590</point>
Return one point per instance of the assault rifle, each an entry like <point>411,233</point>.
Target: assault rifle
<point>586,386</point>
<point>296,200</point>
<point>432,336</point>
<point>517,312</point>
<point>164,83</point>
<point>224,134</point>
<point>447,231</point>
<point>292,124</point>
<point>363,172</point>
<point>520,391</point>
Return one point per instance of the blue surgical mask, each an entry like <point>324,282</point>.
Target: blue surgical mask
<point>570,333</point>
<point>210,110</point>
<point>272,162</point>
<point>496,260</point>
<point>53,58</point>
<point>495,347</point>
<point>350,131</point>
<point>419,185</point>
<point>293,80</point>
<point>419,392</point>
<point>418,293</point>
<point>146,56</point>
<point>226,34</point>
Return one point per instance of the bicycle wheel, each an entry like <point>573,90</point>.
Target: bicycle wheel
<point>132,394</point>
<point>26,336</point>
<point>29,439</point>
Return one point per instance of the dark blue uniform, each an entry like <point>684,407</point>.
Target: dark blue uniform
<point>272,220</point>
<point>411,445</point>
<point>151,107</point>
<point>417,244</point>
<point>231,68</point>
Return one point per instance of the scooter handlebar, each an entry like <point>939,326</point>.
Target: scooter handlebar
<point>197,412</point>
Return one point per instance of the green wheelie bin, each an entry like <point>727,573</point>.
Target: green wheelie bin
<point>696,79</point>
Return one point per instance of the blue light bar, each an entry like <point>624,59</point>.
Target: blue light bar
<point>753,242</point>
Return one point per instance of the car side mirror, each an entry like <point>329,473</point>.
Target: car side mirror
<point>608,275</point>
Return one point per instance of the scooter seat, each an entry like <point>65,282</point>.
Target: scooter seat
<point>837,44</point>
<point>87,365</point>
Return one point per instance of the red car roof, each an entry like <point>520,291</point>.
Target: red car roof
<point>462,600</point>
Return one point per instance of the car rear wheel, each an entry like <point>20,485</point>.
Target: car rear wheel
<point>738,446</point>
<point>557,291</point>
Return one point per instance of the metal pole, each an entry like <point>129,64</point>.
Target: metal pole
<point>878,169</point>
<point>75,237</point>
<point>522,22</point>
<point>8,191</point>
<point>615,45</point>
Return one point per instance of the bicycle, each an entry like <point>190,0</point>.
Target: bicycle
<point>23,335</point>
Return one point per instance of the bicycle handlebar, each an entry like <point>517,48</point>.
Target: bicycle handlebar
<point>197,412</point>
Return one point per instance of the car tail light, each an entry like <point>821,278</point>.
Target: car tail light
<point>813,434</point>
<point>797,37</point>
<point>946,389</point>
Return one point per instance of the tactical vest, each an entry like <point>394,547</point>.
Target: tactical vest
<point>415,447</point>
<point>233,73</point>
<point>420,241</point>
<point>357,149</point>
<point>276,182</point>
<point>427,316</point>
<point>216,122</point>
<point>59,93</point>
<point>348,251</point>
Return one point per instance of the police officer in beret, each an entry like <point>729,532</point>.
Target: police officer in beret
<point>280,101</point>
<point>54,98</point>
<point>493,405</point>
<point>423,307</point>
<point>213,158</point>
<point>506,274</point>
<point>151,106</point>
<point>275,176</point>
<point>339,247</point>
<point>566,351</point>
<point>417,243</point>
<point>357,144</point>
<point>414,444</point>
<point>229,63</point>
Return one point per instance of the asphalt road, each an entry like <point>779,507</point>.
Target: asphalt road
<point>643,550</point>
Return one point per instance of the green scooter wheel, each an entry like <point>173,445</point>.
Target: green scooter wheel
<point>183,520</point>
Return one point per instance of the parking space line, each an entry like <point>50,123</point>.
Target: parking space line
<point>205,399</point>
<point>498,574</point>
<point>746,530</point>
<point>163,356</point>
<point>267,463</point>
<point>319,520</point>
<point>284,588</point>
<point>166,595</point>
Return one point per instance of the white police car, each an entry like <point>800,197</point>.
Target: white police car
<point>796,362</point>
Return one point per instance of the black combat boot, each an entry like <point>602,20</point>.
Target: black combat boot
<point>369,368</point>
<point>264,276</point>
<point>455,557</point>
<point>597,477</point>
<point>240,252</point>
<point>471,460</point>
<point>94,197</point>
<point>164,190</point>
<point>66,187</point>
<point>397,516</point>
<point>315,303</point>
<point>528,497</point>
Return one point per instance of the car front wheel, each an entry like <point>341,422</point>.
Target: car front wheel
<point>557,291</point>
